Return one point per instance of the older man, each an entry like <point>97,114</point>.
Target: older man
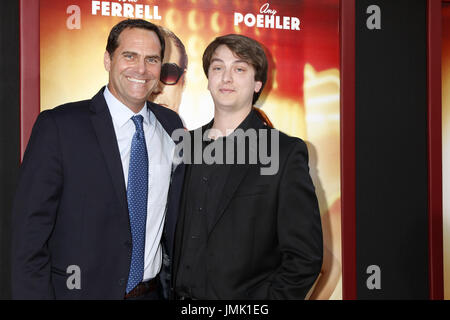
<point>93,216</point>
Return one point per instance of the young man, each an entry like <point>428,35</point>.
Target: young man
<point>93,215</point>
<point>245,233</point>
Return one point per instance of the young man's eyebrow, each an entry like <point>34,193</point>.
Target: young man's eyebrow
<point>241,61</point>
<point>216,60</point>
<point>236,61</point>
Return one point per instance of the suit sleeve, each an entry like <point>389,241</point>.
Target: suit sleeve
<point>299,229</point>
<point>34,211</point>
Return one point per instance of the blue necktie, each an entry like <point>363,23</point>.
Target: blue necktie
<point>137,195</point>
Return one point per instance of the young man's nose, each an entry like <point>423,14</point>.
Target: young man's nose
<point>226,76</point>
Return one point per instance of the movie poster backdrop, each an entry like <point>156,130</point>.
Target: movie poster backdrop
<point>301,97</point>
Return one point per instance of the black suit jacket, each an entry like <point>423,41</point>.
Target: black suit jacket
<point>71,207</point>
<point>264,238</point>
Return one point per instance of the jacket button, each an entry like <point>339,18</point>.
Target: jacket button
<point>121,281</point>
<point>128,244</point>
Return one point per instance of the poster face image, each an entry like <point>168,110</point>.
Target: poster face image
<point>301,96</point>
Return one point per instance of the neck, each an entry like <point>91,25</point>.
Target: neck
<point>226,121</point>
<point>134,108</point>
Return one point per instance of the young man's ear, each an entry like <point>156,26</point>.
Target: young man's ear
<point>258,85</point>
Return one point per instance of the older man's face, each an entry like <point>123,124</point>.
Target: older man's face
<point>134,67</point>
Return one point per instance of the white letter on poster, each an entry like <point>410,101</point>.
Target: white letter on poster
<point>116,10</point>
<point>95,7</point>
<point>238,18</point>
<point>295,23</point>
<point>249,20</point>
<point>73,21</point>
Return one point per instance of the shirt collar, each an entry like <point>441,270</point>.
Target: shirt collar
<point>120,113</point>
<point>246,124</point>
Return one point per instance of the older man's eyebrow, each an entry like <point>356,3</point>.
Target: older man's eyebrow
<point>129,53</point>
<point>155,56</point>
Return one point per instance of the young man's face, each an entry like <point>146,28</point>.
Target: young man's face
<point>231,80</point>
<point>134,67</point>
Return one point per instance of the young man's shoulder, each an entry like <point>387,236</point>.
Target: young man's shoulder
<point>291,140</point>
<point>286,141</point>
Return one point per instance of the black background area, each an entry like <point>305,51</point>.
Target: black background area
<point>391,150</point>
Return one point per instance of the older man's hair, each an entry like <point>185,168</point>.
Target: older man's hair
<point>113,38</point>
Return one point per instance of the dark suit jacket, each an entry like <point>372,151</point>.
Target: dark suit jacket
<point>71,207</point>
<point>265,238</point>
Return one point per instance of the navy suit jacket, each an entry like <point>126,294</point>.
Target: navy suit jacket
<point>71,208</point>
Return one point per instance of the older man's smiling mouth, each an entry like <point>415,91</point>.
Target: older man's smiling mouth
<point>136,80</point>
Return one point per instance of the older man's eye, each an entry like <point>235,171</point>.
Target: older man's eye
<point>153,60</point>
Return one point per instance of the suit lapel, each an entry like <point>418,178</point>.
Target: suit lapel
<point>103,127</point>
<point>167,123</point>
<point>182,221</point>
<point>235,176</point>
<point>104,130</point>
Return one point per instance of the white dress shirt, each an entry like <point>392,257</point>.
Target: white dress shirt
<point>160,150</point>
